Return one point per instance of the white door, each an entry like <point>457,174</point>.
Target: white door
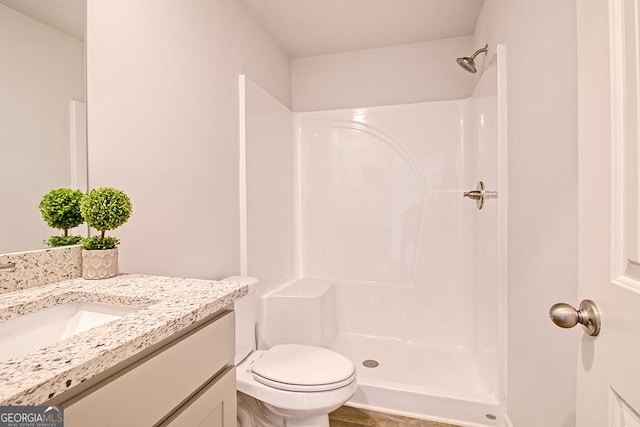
<point>609,211</point>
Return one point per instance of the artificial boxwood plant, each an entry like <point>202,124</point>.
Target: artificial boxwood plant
<point>60,208</point>
<point>104,209</point>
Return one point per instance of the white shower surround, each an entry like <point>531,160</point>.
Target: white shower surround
<point>386,260</point>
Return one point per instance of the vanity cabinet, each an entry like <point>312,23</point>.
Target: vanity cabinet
<point>189,381</point>
<point>213,406</point>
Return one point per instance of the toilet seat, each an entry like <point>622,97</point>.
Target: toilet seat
<point>303,368</point>
<point>293,403</point>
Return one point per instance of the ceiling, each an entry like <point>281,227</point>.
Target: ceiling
<point>317,27</point>
<point>67,16</point>
<point>313,27</point>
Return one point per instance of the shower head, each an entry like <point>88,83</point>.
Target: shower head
<point>468,62</point>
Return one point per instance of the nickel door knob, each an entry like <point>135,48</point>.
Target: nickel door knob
<point>587,315</point>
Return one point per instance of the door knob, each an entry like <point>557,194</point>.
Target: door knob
<point>587,315</point>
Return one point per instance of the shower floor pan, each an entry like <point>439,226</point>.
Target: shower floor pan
<point>422,381</point>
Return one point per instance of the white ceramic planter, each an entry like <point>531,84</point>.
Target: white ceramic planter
<point>99,264</point>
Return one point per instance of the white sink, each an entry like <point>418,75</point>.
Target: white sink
<point>35,330</point>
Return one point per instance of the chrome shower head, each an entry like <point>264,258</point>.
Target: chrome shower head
<point>468,62</point>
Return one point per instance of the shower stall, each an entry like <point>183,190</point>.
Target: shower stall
<point>355,223</point>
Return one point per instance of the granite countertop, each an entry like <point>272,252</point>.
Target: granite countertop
<point>167,305</point>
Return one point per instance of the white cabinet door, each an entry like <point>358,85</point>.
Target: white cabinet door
<point>213,406</point>
<point>609,211</point>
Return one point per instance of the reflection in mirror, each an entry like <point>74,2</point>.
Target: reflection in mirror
<point>42,113</point>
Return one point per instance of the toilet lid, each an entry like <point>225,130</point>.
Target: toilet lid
<point>295,367</point>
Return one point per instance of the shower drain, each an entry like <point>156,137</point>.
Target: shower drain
<point>370,363</point>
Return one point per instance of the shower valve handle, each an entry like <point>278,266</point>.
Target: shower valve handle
<point>474,194</point>
<point>479,194</point>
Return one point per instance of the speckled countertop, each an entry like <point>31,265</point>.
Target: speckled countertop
<point>167,305</point>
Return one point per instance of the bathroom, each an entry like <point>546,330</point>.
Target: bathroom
<point>164,123</point>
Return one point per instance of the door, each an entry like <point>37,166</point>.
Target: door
<point>609,211</point>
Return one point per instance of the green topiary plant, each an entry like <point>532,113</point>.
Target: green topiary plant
<point>96,243</point>
<point>60,208</point>
<point>55,241</point>
<point>104,209</point>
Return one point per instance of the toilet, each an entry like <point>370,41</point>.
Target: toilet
<point>289,385</point>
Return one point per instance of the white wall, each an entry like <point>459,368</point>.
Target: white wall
<point>163,124</point>
<point>542,161</point>
<point>365,175</point>
<point>595,85</point>
<point>268,247</point>
<point>42,71</point>
<point>380,203</point>
<point>416,72</point>
<point>484,263</point>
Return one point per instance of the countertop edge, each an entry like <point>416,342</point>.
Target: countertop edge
<point>196,300</point>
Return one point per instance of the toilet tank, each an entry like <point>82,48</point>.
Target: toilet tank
<point>246,309</point>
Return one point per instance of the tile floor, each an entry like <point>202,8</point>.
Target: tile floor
<point>346,416</point>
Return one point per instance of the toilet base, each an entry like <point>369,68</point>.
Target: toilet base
<point>254,413</point>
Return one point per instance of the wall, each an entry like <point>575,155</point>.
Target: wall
<point>402,74</point>
<point>365,176</point>
<point>596,80</point>
<point>481,229</point>
<point>163,124</point>
<point>380,203</point>
<point>42,71</point>
<point>267,216</point>
<point>542,233</point>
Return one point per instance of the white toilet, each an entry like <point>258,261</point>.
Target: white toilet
<point>289,385</point>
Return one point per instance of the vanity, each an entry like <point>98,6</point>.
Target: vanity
<point>167,361</point>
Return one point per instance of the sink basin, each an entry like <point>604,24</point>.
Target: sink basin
<point>35,330</point>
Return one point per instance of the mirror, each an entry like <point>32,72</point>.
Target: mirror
<point>43,129</point>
